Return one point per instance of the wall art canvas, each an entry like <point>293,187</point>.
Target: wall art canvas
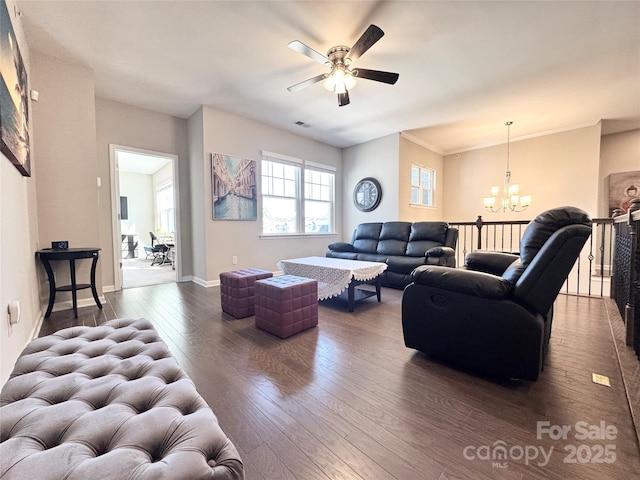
<point>14,101</point>
<point>623,187</point>
<point>233,188</point>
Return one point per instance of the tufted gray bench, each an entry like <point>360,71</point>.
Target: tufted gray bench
<point>108,402</point>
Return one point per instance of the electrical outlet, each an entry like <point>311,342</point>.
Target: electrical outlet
<point>234,260</point>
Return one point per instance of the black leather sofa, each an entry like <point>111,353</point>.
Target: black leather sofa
<point>403,246</point>
<point>493,316</point>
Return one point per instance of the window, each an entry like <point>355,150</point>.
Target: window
<point>423,181</point>
<point>165,209</point>
<point>318,201</point>
<point>297,196</point>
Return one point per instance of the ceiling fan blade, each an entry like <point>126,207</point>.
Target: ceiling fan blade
<point>300,47</point>
<point>365,42</point>
<point>377,75</point>
<point>306,83</point>
<point>343,99</point>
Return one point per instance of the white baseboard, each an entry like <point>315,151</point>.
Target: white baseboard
<point>204,283</point>
<point>38,325</point>
<point>82,302</point>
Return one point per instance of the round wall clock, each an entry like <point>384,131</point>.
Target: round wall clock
<point>367,194</point>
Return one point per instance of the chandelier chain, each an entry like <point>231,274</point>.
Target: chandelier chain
<point>510,199</point>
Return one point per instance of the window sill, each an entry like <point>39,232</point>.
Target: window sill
<point>418,205</point>
<point>276,236</point>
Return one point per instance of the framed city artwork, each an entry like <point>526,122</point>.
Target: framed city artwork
<point>623,187</point>
<point>14,101</point>
<point>233,188</point>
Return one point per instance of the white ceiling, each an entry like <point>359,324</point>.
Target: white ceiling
<point>140,163</point>
<point>465,67</point>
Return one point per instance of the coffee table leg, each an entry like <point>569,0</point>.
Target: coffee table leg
<point>351,295</point>
<point>378,287</point>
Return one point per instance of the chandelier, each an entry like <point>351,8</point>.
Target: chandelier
<point>509,199</point>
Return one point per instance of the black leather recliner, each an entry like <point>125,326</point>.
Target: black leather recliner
<point>493,316</point>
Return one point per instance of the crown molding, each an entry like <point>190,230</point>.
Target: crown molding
<point>523,137</point>
<point>422,143</point>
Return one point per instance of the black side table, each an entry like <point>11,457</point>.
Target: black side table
<point>70,254</point>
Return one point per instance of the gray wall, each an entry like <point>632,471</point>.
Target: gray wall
<point>380,159</point>
<point>231,134</point>
<point>121,124</point>
<point>197,161</point>
<point>18,241</point>
<point>65,145</point>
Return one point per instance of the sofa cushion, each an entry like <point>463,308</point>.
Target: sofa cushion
<point>365,237</point>
<point>425,235</point>
<point>345,255</point>
<point>404,265</point>
<point>393,238</point>
<point>372,257</point>
<point>341,247</point>
<point>419,248</point>
<point>434,231</point>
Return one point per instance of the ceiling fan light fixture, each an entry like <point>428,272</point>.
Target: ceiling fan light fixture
<point>339,80</point>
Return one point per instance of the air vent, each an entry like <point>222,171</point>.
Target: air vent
<point>301,124</point>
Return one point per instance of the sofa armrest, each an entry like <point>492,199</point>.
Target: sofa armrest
<point>469,282</point>
<point>489,262</point>
<point>341,247</point>
<point>440,252</point>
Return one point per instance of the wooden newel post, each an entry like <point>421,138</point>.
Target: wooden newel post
<point>479,227</point>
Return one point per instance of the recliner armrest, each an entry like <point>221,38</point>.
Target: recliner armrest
<point>489,262</point>
<point>341,247</point>
<point>468,282</point>
<point>440,252</point>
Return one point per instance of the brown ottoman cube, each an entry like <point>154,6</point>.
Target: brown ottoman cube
<point>236,291</point>
<point>286,305</point>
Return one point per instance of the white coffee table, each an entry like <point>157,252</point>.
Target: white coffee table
<point>336,275</point>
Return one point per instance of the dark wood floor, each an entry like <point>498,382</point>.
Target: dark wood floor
<point>347,400</point>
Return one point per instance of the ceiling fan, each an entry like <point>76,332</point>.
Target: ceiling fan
<point>340,59</point>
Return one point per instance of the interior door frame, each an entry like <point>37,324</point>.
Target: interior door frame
<point>115,208</point>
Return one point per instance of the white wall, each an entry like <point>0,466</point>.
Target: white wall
<point>138,188</point>
<point>377,158</point>
<point>165,174</point>
<point>161,178</point>
<point>619,152</point>
<point>231,134</point>
<point>558,169</point>
<point>411,154</point>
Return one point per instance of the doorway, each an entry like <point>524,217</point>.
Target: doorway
<point>145,226</point>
